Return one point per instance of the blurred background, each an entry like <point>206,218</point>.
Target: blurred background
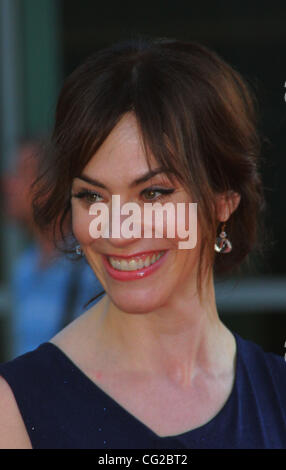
<point>41,42</point>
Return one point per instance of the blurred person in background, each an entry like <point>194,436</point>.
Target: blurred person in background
<point>48,290</point>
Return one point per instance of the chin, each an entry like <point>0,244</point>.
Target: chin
<point>138,302</point>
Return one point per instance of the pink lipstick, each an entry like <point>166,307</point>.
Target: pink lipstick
<point>136,259</point>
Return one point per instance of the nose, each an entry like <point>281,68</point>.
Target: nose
<point>120,226</point>
<point>122,243</point>
<point>124,231</point>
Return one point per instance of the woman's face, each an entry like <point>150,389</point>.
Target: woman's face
<point>116,169</point>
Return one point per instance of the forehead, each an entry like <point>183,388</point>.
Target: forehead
<point>121,153</point>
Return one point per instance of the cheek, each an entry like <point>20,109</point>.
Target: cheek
<point>80,224</point>
<point>182,226</point>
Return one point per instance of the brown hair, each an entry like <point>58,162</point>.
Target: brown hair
<point>196,116</point>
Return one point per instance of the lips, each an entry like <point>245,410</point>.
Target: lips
<point>132,267</point>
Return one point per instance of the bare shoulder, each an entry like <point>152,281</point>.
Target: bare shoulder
<point>13,434</point>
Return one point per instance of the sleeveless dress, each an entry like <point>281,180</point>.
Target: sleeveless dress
<point>63,409</point>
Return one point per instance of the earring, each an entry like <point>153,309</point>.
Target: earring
<point>78,250</point>
<point>222,244</point>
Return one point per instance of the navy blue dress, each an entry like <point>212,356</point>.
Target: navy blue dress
<point>62,408</point>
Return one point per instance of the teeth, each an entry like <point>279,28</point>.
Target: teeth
<point>124,265</point>
<point>140,264</point>
<point>147,262</point>
<point>134,264</point>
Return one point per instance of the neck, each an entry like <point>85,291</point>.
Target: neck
<point>175,341</point>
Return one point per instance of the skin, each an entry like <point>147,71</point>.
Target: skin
<point>151,344</point>
<point>180,348</point>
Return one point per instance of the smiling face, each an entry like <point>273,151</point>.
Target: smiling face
<point>159,268</point>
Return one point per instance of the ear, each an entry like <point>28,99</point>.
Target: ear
<point>226,203</point>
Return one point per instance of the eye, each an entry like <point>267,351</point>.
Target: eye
<point>88,196</point>
<point>156,193</point>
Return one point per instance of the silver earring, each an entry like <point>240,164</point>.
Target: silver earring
<point>222,243</point>
<point>78,250</point>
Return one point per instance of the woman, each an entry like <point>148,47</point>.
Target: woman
<point>151,365</point>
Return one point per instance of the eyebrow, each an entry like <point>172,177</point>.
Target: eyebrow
<point>141,179</point>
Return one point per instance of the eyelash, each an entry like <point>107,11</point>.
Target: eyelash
<point>86,193</point>
<point>164,192</point>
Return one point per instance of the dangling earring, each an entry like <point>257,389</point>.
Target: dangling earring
<point>222,244</point>
<point>78,250</point>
